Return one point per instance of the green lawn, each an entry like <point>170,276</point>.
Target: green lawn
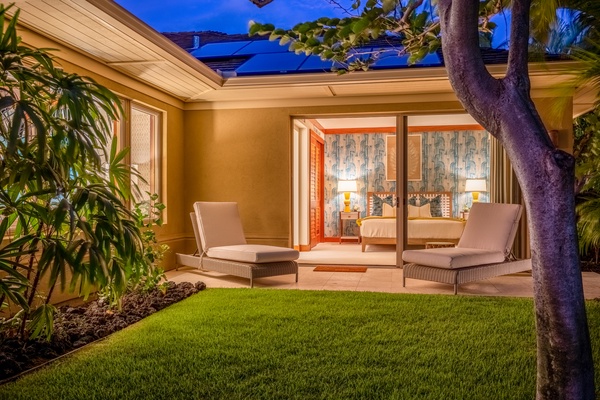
<point>287,344</point>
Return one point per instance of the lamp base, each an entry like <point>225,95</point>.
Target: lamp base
<point>475,197</point>
<point>346,201</point>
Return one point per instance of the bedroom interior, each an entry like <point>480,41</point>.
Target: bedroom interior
<point>444,150</point>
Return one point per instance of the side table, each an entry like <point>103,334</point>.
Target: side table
<point>348,216</point>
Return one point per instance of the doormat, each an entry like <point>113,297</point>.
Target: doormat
<point>339,268</point>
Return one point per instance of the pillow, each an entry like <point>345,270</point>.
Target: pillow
<point>425,211</point>
<point>436,205</point>
<point>388,211</point>
<point>413,211</point>
<point>378,204</point>
<point>412,201</point>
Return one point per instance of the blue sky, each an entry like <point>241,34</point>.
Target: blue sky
<point>231,16</point>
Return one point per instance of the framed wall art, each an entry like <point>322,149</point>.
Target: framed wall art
<point>415,158</point>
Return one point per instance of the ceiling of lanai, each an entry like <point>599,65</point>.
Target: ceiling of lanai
<point>104,31</point>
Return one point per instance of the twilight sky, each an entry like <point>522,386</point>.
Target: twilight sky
<point>232,16</point>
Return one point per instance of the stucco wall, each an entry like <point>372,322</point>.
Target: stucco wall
<point>245,155</point>
<point>242,156</point>
<point>557,114</point>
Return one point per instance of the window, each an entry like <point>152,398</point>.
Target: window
<point>144,155</point>
<point>140,130</point>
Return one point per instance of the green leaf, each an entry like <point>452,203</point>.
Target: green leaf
<point>345,31</point>
<point>255,28</point>
<point>303,28</point>
<point>360,25</point>
<point>312,42</point>
<point>329,34</point>
<point>42,322</point>
<point>389,5</point>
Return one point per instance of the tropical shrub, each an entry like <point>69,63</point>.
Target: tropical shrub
<point>148,275</point>
<point>587,186</point>
<point>64,197</point>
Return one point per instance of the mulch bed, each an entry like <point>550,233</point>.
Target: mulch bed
<point>590,266</point>
<point>75,327</point>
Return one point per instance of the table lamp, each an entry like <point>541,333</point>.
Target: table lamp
<point>475,186</point>
<point>347,187</point>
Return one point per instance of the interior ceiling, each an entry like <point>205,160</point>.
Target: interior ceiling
<point>387,121</point>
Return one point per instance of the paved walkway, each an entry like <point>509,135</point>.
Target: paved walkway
<point>378,279</point>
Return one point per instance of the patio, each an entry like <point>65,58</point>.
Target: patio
<point>377,278</point>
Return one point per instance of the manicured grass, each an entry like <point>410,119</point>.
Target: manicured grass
<point>286,344</point>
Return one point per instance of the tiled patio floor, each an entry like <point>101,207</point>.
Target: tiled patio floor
<point>377,279</point>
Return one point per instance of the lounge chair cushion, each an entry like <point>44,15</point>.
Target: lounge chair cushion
<point>453,257</point>
<point>219,224</point>
<point>253,253</point>
<point>491,226</point>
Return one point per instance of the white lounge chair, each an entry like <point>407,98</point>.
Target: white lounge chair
<point>222,246</point>
<point>484,250</point>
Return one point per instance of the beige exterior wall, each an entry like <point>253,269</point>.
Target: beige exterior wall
<point>245,155</point>
<point>557,114</point>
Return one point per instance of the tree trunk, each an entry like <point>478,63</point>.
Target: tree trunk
<point>546,175</point>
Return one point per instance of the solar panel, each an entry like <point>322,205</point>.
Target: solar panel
<point>314,63</point>
<point>390,60</point>
<point>218,49</point>
<point>273,63</point>
<point>262,47</point>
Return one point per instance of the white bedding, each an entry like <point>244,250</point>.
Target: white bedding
<point>429,228</point>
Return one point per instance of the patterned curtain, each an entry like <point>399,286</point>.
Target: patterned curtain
<point>504,188</point>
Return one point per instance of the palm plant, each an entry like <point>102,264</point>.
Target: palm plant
<point>587,182</point>
<point>65,221</point>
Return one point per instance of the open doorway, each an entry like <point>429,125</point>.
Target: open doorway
<point>442,151</point>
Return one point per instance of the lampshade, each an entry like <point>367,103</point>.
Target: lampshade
<point>476,185</point>
<point>347,186</point>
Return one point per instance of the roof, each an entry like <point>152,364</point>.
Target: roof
<point>243,55</point>
<point>103,37</point>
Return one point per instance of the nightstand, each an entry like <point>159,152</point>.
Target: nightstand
<point>348,216</point>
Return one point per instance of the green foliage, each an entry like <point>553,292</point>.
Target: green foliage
<point>562,34</point>
<point>412,29</point>
<point>65,220</point>
<point>146,274</point>
<point>588,224</point>
<point>587,178</point>
<point>586,150</point>
<point>410,26</point>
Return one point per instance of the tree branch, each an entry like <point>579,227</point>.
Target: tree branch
<point>471,81</point>
<point>408,12</point>
<point>519,41</point>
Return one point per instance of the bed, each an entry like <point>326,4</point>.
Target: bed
<point>429,219</point>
